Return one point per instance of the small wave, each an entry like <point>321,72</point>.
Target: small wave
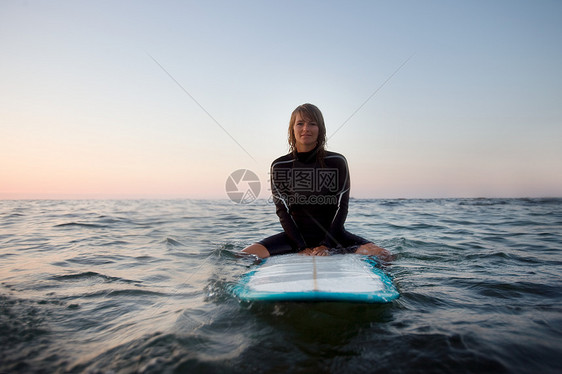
<point>517,290</point>
<point>90,275</point>
<point>145,258</point>
<point>113,220</point>
<point>174,242</point>
<point>124,292</point>
<point>392,203</point>
<point>543,200</point>
<point>228,251</point>
<point>413,226</point>
<point>79,224</point>
<point>91,260</point>
<point>482,202</point>
<point>14,215</point>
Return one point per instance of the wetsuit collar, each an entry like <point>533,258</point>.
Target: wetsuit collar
<point>307,157</point>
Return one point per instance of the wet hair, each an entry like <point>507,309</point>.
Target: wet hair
<point>311,113</point>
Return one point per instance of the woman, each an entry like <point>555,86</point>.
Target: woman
<point>310,189</point>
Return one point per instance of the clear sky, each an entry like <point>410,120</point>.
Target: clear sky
<point>85,111</point>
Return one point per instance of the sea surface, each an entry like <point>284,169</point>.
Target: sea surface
<point>144,286</point>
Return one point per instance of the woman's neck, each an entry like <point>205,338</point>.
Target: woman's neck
<point>307,156</point>
<point>301,148</point>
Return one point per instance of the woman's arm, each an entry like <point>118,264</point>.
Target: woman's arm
<point>337,226</point>
<point>279,194</point>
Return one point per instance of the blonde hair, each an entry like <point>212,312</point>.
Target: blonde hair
<point>311,113</point>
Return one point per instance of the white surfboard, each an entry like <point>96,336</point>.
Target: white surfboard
<point>338,278</point>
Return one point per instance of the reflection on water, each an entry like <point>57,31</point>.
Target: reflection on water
<point>143,286</point>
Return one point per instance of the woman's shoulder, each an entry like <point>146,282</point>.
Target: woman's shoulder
<point>335,156</point>
<point>283,159</point>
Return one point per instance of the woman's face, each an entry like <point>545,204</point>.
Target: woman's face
<point>306,133</point>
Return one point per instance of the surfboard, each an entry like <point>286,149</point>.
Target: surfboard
<point>293,277</point>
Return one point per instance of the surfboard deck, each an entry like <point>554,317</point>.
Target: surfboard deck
<point>317,278</point>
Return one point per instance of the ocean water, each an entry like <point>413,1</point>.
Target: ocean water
<point>144,286</point>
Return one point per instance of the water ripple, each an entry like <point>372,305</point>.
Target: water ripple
<point>144,286</point>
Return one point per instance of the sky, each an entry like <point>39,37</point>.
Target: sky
<point>165,99</point>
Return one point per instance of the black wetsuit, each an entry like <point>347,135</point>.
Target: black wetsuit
<point>311,201</point>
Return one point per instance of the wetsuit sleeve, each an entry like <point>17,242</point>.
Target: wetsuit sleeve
<point>337,229</point>
<point>280,194</point>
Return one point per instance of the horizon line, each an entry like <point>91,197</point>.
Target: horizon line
<point>77,197</point>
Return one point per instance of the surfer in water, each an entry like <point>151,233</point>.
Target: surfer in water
<point>310,189</point>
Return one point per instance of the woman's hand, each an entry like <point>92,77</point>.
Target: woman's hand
<point>321,250</point>
<point>306,252</point>
<point>371,249</point>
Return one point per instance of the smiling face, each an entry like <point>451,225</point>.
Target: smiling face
<point>305,131</point>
